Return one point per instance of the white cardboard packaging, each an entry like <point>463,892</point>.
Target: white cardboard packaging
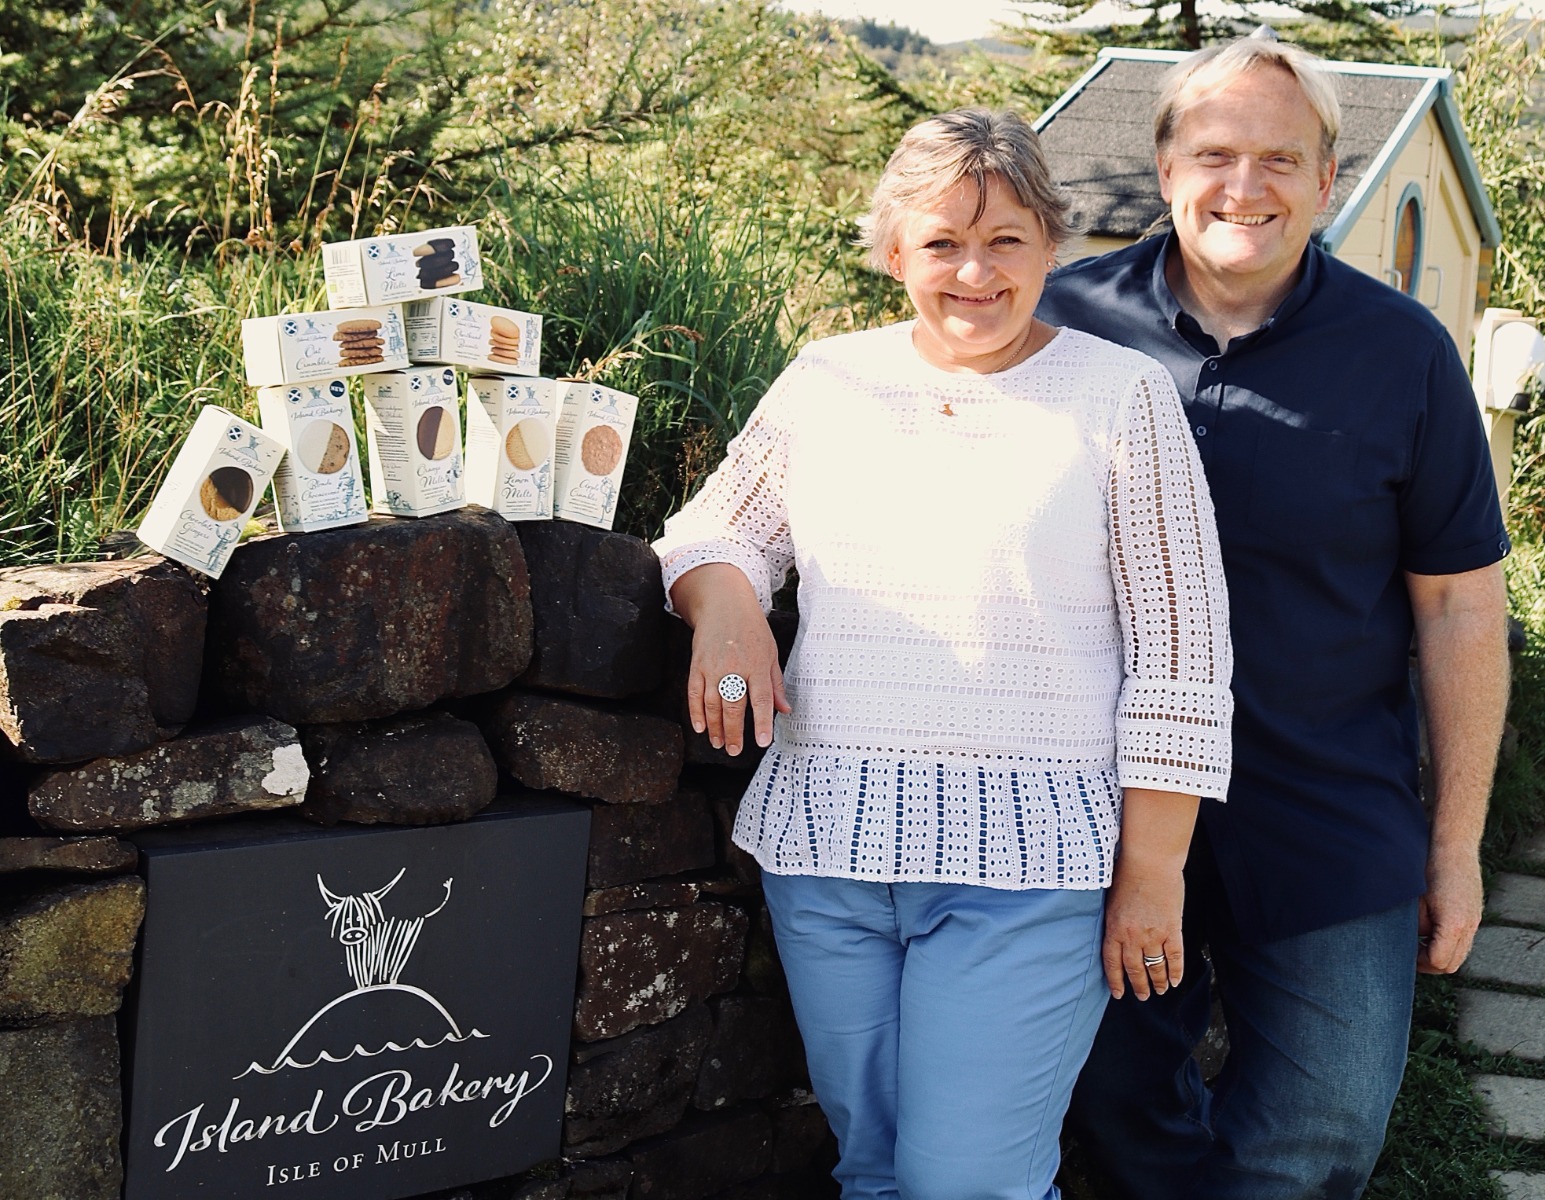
<point>479,337</point>
<point>590,451</point>
<point>401,267</point>
<point>413,427</point>
<point>318,484</point>
<point>306,347</point>
<point>216,480</point>
<point>510,426</point>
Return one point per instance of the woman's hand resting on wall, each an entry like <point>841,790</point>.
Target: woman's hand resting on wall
<point>730,636</point>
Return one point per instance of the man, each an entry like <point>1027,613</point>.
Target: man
<point>1356,507</point>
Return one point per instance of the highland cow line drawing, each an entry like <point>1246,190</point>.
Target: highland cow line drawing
<point>376,949</point>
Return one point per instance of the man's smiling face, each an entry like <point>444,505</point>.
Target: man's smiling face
<point>1244,176</point>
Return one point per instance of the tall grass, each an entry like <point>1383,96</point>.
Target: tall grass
<point>692,302</point>
<point>106,358</point>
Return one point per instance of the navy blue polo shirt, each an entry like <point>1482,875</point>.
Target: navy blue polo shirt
<point>1343,447</point>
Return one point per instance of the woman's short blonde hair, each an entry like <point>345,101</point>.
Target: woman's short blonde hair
<point>1209,71</point>
<point>968,144</point>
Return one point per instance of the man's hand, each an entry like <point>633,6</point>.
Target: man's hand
<point>1450,913</point>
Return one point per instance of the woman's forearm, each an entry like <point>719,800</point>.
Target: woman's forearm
<point>713,588</point>
<point>1143,942</point>
<point>1156,828</point>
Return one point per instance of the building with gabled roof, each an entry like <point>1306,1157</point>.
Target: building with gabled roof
<point>1408,204</point>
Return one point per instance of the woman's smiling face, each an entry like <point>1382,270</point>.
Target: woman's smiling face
<point>975,284</point>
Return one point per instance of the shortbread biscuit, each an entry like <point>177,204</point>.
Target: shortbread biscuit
<point>526,445</point>
<point>600,450</point>
<point>448,281</point>
<point>226,494</point>
<point>504,332</point>
<point>436,433</point>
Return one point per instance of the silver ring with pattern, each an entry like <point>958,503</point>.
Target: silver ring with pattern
<point>732,688</point>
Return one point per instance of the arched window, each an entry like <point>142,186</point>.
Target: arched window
<point>1406,270</point>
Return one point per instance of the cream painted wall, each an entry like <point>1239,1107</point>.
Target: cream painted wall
<point>1089,247</point>
<point>1450,237</point>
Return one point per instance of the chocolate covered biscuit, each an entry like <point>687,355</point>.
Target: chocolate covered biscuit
<point>226,493</point>
<point>523,444</point>
<point>323,447</point>
<point>436,433</point>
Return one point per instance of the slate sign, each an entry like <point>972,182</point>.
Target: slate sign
<point>358,1013</point>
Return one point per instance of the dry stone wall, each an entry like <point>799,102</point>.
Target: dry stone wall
<point>400,673</point>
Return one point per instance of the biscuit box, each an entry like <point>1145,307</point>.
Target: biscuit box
<point>307,347</point>
<point>215,482</point>
<point>510,445</point>
<point>590,450</point>
<point>413,427</point>
<point>402,266</point>
<point>479,337</point>
<point>318,484</point>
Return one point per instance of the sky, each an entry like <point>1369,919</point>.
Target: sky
<point>938,20</point>
<point>947,21</point>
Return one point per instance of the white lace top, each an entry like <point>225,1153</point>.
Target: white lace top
<point>1011,606</point>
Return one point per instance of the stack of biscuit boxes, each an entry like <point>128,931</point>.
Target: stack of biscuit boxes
<point>535,447</point>
<point>517,459</point>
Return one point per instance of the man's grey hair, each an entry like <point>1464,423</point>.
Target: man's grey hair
<point>968,145</point>
<point>1209,71</point>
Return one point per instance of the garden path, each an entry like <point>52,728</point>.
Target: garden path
<point>1505,1015</point>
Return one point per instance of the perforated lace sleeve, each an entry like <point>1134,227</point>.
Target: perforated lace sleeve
<point>1172,721</point>
<point>739,515</point>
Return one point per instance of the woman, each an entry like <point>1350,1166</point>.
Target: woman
<point>1013,639</point>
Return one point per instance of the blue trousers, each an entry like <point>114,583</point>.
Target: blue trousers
<point>944,1025</point>
<point>1318,1026</point>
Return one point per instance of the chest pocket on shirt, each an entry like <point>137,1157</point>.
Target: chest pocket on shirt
<point>1301,486</point>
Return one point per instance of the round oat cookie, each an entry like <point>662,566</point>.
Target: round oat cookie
<point>344,328</point>
<point>526,444</point>
<point>600,450</point>
<point>322,447</point>
<point>226,494</point>
<point>436,433</point>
